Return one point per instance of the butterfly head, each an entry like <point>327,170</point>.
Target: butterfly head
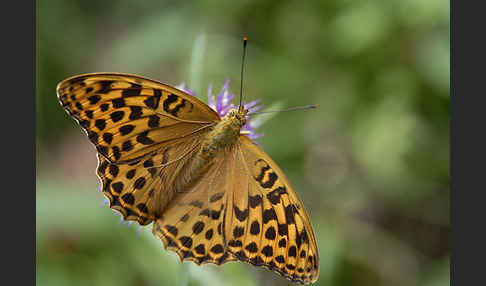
<point>237,117</point>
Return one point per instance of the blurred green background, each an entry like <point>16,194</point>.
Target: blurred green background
<point>371,163</point>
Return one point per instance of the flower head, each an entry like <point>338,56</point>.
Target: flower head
<point>221,103</point>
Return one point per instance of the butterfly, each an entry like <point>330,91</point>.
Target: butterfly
<point>212,194</point>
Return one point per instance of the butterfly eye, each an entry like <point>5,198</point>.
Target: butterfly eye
<point>243,120</point>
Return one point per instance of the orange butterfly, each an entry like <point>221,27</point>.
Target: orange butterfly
<point>213,194</point>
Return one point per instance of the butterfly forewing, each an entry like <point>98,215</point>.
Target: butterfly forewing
<point>137,126</point>
<point>126,116</point>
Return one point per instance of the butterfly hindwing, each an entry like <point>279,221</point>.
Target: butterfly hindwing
<point>127,116</point>
<point>265,222</point>
<point>192,226</point>
<point>141,190</point>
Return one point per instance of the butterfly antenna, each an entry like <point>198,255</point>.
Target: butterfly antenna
<point>245,39</point>
<point>287,109</point>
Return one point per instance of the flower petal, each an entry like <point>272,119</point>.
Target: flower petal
<point>185,88</point>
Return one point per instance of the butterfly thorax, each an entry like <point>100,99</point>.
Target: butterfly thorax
<point>219,139</point>
<point>224,134</point>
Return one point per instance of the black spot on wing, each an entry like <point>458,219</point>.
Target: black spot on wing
<point>218,248</point>
<point>89,114</point>
<point>168,101</point>
<point>93,137</point>
<point>290,212</point>
<point>117,187</point>
<point>133,90</point>
<point>100,124</point>
<point>176,109</point>
<point>135,112</point>
<point>197,204</point>
<point>255,200</point>
<point>142,138</point>
<point>105,86</point>
<point>209,234</point>
<point>148,163</point>
<point>241,215</point>
<point>272,177</point>
<point>270,233</point>
<point>252,247</point>
<point>85,123</point>
<point>264,169</point>
<point>274,196</point>
<point>116,152</point>
<point>198,227</point>
<point>127,146</point>
<point>267,251</point>
<point>241,254</point>
<point>200,249</point>
<point>94,99</point>
<point>118,102</point>
<point>128,198</point>
<point>214,214</point>
<point>76,80</point>
<point>171,99</point>
<point>216,197</point>
<point>283,229</point>
<point>142,208</point>
<point>153,101</point>
<point>301,238</point>
<point>268,215</point>
<point>238,231</point>
<point>139,183</point>
<point>255,228</point>
<point>102,167</point>
<point>114,170</point>
<point>302,254</point>
<point>117,115</point>
<point>153,121</point>
<point>235,243</point>
<point>293,251</point>
<point>108,137</point>
<point>186,241</point>
<point>290,266</point>
<point>126,129</point>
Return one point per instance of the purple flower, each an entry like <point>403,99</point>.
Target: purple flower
<point>221,103</point>
<point>185,88</point>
